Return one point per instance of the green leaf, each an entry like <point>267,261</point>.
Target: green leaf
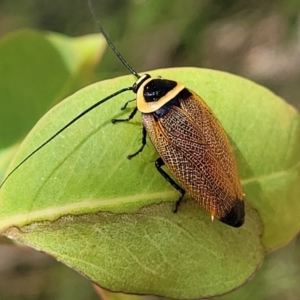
<point>278,278</point>
<point>38,70</point>
<point>154,251</point>
<point>104,294</point>
<point>6,156</point>
<point>82,201</point>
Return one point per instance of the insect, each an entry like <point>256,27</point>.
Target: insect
<point>188,138</point>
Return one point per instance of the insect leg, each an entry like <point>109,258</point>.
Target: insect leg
<point>125,104</point>
<point>158,164</point>
<point>132,114</point>
<point>144,135</point>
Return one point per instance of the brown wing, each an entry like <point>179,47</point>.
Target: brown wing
<point>197,152</point>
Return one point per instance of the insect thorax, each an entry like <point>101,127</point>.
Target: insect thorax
<point>154,94</point>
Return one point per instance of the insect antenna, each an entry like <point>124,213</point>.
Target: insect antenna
<point>109,42</point>
<point>124,62</point>
<point>63,129</point>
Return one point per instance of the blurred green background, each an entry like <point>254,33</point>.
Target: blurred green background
<point>256,39</point>
<point>259,40</point>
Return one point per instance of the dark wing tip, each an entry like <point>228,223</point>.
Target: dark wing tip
<point>236,216</point>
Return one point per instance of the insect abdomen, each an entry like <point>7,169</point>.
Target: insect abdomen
<point>196,150</point>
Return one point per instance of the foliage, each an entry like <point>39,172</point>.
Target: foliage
<point>84,202</point>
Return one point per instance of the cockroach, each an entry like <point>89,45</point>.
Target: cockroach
<point>188,137</point>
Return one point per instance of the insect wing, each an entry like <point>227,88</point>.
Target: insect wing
<point>197,152</point>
